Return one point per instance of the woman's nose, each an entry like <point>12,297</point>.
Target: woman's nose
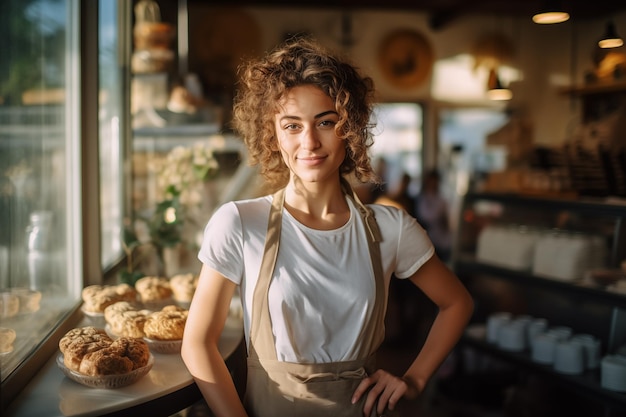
<point>309,139</point>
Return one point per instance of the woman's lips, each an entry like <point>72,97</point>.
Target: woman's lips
<point>311,160</point>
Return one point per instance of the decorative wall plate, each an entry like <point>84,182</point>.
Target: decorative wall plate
<point>406,58</point>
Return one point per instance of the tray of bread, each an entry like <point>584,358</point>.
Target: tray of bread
<point>92,358</point>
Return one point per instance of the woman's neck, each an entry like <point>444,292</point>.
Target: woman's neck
<point>318,206</point>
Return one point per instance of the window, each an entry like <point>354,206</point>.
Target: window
<point>49,125</point>
<point>40,259</point>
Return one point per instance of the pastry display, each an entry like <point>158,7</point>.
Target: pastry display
<point>98,297</point>
<point>7,337</point>
<point>153,289</point>
<point>124,319</point>
<point>167,324</point>
<point>183,287</point>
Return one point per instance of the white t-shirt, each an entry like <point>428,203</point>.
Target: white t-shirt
<point>322,291</point>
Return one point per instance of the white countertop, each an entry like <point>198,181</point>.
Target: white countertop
<point>51,394</point>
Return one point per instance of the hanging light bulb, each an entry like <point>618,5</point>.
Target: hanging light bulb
<point>495,89</point>
<point>550,12</point>
<point>610,39</point>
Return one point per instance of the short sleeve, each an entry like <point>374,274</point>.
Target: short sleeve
<point>405,242</point>
<point>222,247</point>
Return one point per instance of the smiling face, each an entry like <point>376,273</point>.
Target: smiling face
<point>305,128</point>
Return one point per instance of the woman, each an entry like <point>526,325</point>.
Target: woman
<point>311,262</point>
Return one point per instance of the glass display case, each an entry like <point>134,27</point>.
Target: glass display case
<point>559,261</point>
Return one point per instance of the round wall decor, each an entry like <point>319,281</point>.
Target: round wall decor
<point>406,58</point>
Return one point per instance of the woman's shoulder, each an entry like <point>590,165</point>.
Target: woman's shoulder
<point>388,211</point>
<point>242,210</point>
<point>255,203</point>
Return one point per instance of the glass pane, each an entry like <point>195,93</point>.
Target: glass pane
<point>111,126</point>
<point>38,263</point>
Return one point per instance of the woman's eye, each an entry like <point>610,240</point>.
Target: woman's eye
<point>327,123</point>
<point>291,126</point>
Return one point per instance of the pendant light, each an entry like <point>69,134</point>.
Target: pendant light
<point>550,12</point>
<point>610,39</point>
<point>495,90</point>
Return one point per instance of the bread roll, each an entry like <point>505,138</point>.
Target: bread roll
<point>105,361</point>
<point>7,337</point>
<point>98,297</point>
<point>183,287</point>
<point>9,304</point>
<point>153,289</point>
<point>167,324</point>
<point>125,320</point>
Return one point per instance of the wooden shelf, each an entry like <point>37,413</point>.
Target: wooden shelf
<point>601,87</point>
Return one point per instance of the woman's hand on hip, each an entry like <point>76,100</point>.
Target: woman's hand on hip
<point>385,390</point>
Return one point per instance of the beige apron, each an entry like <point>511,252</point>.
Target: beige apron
<point>286,389</point>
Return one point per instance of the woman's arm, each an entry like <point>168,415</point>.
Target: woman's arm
<point>455,307</point>
<point>207,315</point>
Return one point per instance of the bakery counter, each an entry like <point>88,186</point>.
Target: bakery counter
<point>166,389</point>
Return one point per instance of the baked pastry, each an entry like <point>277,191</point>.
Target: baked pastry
<point>9,304</point>
<point>125,320</point>
<point>153,289</point>
<point>136,350</point>
<point>76,347</point>
<point>98,297</point>
<point>29,299</point>
<point>90,351</point>
<point>167,324</point>
<point>183,287</point>
<point>105,361</point>
<point>7,337</point>
<point>79,333</point>
<point>120,357</point>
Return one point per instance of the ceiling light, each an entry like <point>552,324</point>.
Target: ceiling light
<point>610,39</point>
<point>551,12</point>
<point>495,90</point>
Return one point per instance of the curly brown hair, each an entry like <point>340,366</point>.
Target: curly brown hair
<point>303,61</point>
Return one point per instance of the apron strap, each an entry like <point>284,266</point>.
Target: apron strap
<point>374,334</point>
<point>261,325</point>
<point>261,335</point>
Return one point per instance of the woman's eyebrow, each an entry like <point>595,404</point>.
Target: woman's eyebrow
<point>317,116</point>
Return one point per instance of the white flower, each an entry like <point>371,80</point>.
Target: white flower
<point>184,171</point>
